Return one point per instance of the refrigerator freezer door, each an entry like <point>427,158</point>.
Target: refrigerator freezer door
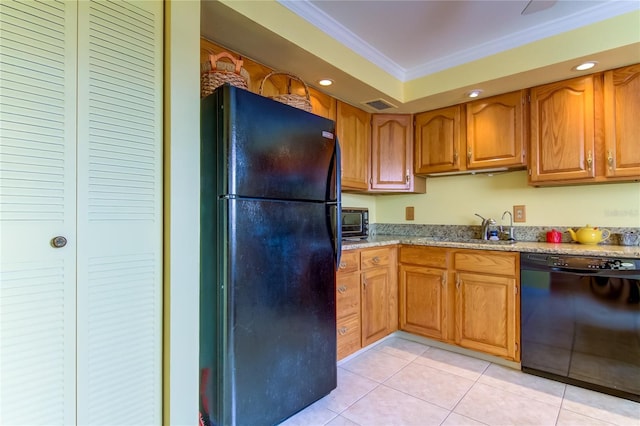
<point>270,150</point>
<point>276,350</point>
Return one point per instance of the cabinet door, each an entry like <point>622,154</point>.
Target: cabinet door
<point>392,154</point>
<point>376,285</point>
<point>622,126</point>
<point>496,131</point>
<point>353,127</point>
<point>563,137</point>
<point>486,313</point>
<point>423,301</point>
<point>37,203</point>
<point>438,138</point>
<point>322,104</point>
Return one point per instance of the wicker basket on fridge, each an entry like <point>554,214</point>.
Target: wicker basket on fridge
<point>293,99</point>
<point>217,72</point>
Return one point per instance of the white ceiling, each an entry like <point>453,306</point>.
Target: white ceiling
<point>412,39</point>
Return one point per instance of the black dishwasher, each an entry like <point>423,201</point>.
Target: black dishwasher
<point>580,321</point>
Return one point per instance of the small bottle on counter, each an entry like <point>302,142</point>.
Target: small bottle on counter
<point>493,235</point>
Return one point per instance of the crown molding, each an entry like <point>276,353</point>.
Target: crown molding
<point>343,35</point>
<point>315,16</point>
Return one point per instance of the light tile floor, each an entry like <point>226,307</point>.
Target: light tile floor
<point>401,382</point>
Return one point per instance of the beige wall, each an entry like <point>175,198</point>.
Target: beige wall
<point>453,200</point>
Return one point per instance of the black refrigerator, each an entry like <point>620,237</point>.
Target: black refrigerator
<point>269,244</point>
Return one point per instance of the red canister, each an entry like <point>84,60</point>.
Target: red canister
<point>554,236</point>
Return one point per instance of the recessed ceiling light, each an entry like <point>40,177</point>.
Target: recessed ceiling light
<point>474,93</point>
<point>325,82</point>
<point>585,66</point>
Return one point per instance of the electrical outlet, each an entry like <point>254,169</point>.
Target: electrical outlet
<point>519,214</point>
<point>409,213</point>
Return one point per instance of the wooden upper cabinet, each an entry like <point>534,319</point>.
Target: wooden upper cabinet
<point>497,131</point>
<point>438,140</point>
<point>322,104</point>
<point>563,132</point>
<point>392,154</point>
<point>353,127</point>
<point>622,121</point>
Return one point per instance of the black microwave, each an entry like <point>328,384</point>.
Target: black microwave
<point>355,223</point>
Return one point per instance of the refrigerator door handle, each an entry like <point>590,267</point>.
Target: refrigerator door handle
<point>337,233</point>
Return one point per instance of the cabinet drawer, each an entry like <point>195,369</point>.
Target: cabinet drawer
<point>349,261</point>
<point>347,295</point>
<point>375,258</point>
<point>489,263</point>
<point>348,335</point>
<point>428,256</point>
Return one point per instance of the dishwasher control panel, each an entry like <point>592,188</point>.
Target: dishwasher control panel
<point>591,263</point>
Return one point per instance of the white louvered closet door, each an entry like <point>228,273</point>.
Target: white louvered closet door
<point>120,212</point>
<point>81,157</point>
<point>37,203</point>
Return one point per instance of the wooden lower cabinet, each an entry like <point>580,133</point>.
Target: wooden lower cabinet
<point>348,304</point>
<point>423,291</point>
<point>487,308</point>
<point>366,298</point>
<point>378,294</point>
<point>463,297</point>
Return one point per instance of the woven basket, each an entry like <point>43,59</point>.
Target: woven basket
<point>298,101</point>
<point>215,73</point>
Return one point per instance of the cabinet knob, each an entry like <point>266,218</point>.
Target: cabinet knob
<point>469,154</point>
<point>342,289</point>
<point>342,331</point>
<point>610,159</point>
<point>58,242</point>
<point>375,260</point>
<point>444,279</point>
<point>589,161</point>
<point>342,265</point>
<point>406,178</point>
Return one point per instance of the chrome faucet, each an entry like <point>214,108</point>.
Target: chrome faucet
<point>486,223</point>
<point>512,236</point>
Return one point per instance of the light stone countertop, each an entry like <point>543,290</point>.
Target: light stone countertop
<point>632,252</point>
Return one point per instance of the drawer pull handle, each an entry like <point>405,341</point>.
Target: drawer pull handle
<point>342,331</point>
<point>375,260</point>
<point>444,279</point>
<point>589,161</point>
<point>610,159</point>
<point>343,265</point>
<point>342,289</point>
